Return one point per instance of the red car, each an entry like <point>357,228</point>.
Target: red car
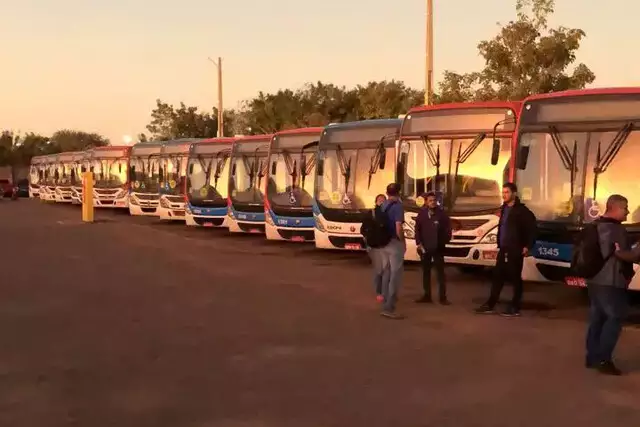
<point>6,187</point>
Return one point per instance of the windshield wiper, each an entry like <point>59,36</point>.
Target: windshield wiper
<point>221,159</point>
<point>375,162</point>
<point>249,167</point>
<point>260,167</point>
<point>292,167</point>
<point>434,158</point>
<point>462,157</point>
<point>602,163</point>
<point>345,167</point>
<point>568,158</point>
<point>307,166</point>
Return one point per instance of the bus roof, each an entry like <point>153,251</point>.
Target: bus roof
<point>515,105</point>
<point>363,131</point>
<point>69,156</point>
<point>223,140</point>
<point>299,131</point>
<point>584,92</point>
<point>250,138</point>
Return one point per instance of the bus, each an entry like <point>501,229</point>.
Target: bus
<point>66,175</point>
<point>290,177</point>
<point>355,163</point>
<point>36,176</point>
<point>462,152</point>
<point>173,160</point>
<point>575,149</point>
<point>48,168</point>
<point>110,167</point>
<point>246,179</point>
<point>81,162</point>
<point>208,183</point>
<point>145,175</point>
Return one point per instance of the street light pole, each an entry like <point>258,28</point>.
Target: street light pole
<point>218,65</point>
<point>428,86</point>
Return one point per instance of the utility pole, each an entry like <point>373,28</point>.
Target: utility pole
<point>218,65</point>
<point>428,86</point>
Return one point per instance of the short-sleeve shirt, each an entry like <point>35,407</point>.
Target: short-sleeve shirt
<point>395,213</point>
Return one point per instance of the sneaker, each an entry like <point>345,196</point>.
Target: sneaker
<point>380,298</point>
<point>485,309</point>
<point>608,368</point>
<point>391,315</point>
<point>424,300</point>
<point>445,302</point>
<point>510,312</point>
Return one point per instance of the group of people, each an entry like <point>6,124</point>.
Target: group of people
<point>607,286</point>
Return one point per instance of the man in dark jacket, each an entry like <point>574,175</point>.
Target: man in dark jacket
<point>516,236</point>
<point>608,288</point>
<point>433,232</point>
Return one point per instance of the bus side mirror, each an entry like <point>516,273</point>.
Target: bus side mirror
<point>83,169</point>
<point>119,167</point>
<point>161,172</point>
<point>132,173</point>
<point>56,175</point>
<point>522,157</point>
<point>401,169</point>
<point>273,168</point>
<point>495,151</point>
<point>233,170</point>
<point>383,158</point>
<point>303,163</point>
<point>320,167</point>
<point>191,169</point>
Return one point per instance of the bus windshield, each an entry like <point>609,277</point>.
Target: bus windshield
<point>34,174</point>
<point>249,169</point>
<point>109,173</point>
<point>67,174</point>
<point>460,170</point>
<point>147,173</point>
<point>208,178</point>
<point>570,175</point>
<point>352,178</point>
<point>175,167</point>
<point>292,178</point>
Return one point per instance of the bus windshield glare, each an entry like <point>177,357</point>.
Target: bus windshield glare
<point>175,166</point>
<point>292,177</point>
<point>352,179</point>
<point>146,178</point>
<point>249,167</point>
<point>208,178</point>
<point>109,173</point>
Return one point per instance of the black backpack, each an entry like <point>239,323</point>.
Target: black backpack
<point>587,260</point>
<point>375,228</point>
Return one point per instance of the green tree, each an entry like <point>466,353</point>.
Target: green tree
<point>168,122</point>
<point>32,144</point>
<point>74,140</point>
<point>6,147</point>
<point>525,58</point>
<point>384,99</point>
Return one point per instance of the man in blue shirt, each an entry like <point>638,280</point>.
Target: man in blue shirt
<point>393,251</point>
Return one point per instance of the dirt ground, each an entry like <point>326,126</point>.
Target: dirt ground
<point>133,322</point>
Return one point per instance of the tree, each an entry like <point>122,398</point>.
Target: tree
<point>384,99</point>
<point>30,145</point>
<point>168,122</point>
<point>74,140</point>
<point>525,58</point>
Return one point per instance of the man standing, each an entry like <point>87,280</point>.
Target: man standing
<point>433,232</point>
<point>608,288</point>
<point>516,235</point>
<point>375,231</point>
<point>393,251</point>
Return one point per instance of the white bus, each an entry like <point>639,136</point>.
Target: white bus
<point>173,160</point>
<point>48,169</point>
<point>288,205</point>
<point>356,162</point>
<point>146,173</point>
<point>462,152</point>
<point>82,165</point>
<point>208,182</point>
<point>110,167</point>
<point>36,176</point>
<point>247,183</point>
<point>66,175</point>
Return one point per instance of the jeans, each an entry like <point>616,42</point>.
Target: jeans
<point>608,308</point>
<point>380,268</point>
<point>393,256</point>
<point>508,268</point>
<point>433,260</point>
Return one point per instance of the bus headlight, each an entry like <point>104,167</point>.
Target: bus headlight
<point>230,213</point>
<point>409,233</point>
<point>268,218</point>
<point>165,203</point>
<point>187,209</point>
<point>133,201</point>
<point>491,237</point>
<point>319,225</point>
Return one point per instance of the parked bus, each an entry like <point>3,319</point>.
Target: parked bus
<point>36,176</point>
<point>82,165</point>
<point>575,149</point>
<point>462,152</point>
<point>47,189</point>
<point>173,160</point>
<point>145,175</point>
<point>247,172</point>
<point>66,176</point>
<point>290,178</point>
<point>355,163</point>
<point>110,167</point>
<point>208,182</point>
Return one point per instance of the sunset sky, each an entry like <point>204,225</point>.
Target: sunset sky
<point>99,66</point>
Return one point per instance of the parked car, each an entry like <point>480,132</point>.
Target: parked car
<point>6,187</point>
<point>23,188</point>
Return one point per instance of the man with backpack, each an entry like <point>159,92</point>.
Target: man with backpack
<point>393,251</point>
<point>433,232</point>
<point>375,231</point>
<point>604,258</point>
<point>516,235</point>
